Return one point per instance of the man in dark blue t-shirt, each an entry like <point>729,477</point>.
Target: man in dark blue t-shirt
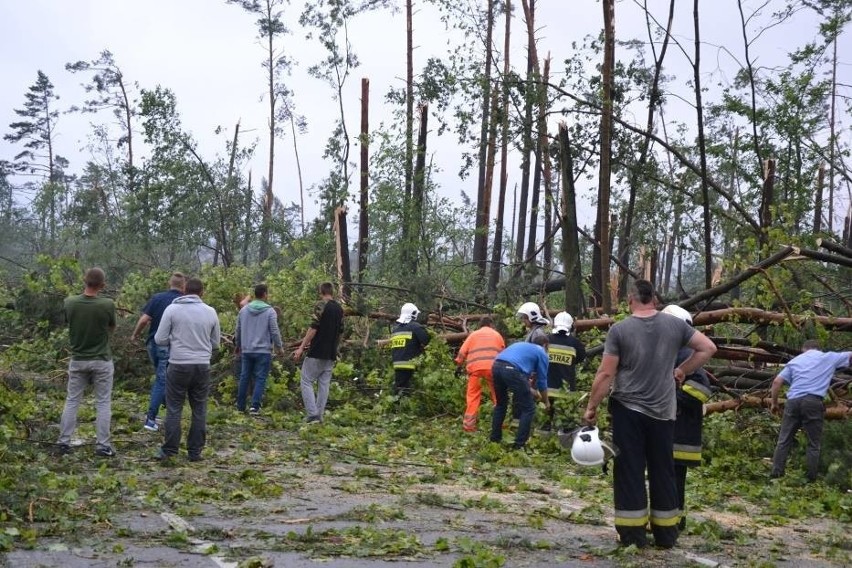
<point>152,313</point>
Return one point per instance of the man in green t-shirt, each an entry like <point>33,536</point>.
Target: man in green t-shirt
<point>90,321</point>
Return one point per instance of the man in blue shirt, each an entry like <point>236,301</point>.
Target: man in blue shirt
<point>809,376</point>
<point>158,354</point>
<point>514,370</point>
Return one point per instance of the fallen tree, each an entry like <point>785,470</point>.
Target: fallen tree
<point>839,410</point>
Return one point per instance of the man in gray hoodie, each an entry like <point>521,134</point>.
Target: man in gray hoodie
<point>257,333</point>
<point>190,329</point>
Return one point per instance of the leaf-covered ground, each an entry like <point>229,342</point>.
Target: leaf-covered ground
<point>372,487</point>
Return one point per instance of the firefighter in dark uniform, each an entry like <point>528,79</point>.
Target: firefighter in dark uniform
<point>564,353</point>
<point>407,341</point>
<point>638,365</point>
<point>691,397</point>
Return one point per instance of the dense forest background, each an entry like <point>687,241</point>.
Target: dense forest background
<point>516,150</point>
<point>686,169</point>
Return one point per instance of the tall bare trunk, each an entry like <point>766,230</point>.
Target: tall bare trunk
<point>409,128</point>
<point>702,149</point>
<point>603,226</point>
<point>818,198</point>
<point>547,172</point>
<point>832,138</point>
<point>363,220</point>
<point>269,195</point>
<point>418,193</point>
<point>497,250</point>
<point>766,199</point>
<point>483,195</point>
<point>527,141</point>
<point>570,239</point>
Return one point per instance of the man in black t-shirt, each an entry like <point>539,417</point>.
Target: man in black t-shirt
<point>321,341</point>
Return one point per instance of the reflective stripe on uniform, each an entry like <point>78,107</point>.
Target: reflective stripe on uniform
<point>404,365</point>
<point>561,354</point>
<point>399,339</point>
<point>638,518</point>
<point>696,390</point>
<point>688,453</point>
<point>665,518</point>
<point>484,354</point>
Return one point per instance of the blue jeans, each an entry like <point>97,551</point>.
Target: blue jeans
<point>254,365</point>
<point>184,382</point>
<point>508,378</point>
<point>159,356</point>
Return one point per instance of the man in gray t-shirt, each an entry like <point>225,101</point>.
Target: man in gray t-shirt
<point>646,348</point>
<point>639,363</point>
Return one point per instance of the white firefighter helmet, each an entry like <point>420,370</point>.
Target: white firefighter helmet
<point>409,312</point>
<point>533,313</point>
<point>587,448</point>
<point>563,322</point>
<point>678,312</point>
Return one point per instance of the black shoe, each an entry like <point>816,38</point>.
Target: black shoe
<point>105,452</point>
<point>637,542</point>
<point>195,458</point>
<point>63,449</point>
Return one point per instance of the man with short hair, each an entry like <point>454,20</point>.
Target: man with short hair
<point>478,353</point>
<point>90,321</point>
<point>256,335</point>
<point>190,328</point>
<point>321,341</point>
<point>158,354</point>
<point>639,363</point>
<point>809,376</point>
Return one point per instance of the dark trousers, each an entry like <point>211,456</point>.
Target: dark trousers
<point>644,442</point>
<point>186,382</point>
<point>507,379</point>
<point>402,379</point>
<point>807,413</point>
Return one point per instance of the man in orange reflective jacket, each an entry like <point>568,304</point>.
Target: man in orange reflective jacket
<point>479,350</point>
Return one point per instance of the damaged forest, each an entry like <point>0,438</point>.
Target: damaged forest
<point>703,147</point>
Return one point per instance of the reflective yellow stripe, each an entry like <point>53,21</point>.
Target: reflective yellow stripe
<point>665,518</point>
<point>638,518</point>
<point>492,350</point>
<point>404,365</point>
<point>561,355</point>
<point>687,456</point>
<point>399,339</point>
<point>696,390</point>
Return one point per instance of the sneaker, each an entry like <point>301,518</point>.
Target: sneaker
<point>151,425</point>
<point>105,452</point>
<point>63,449</point>
<point>160,455</point>
<point>254,410</point>
<point>313,420</point>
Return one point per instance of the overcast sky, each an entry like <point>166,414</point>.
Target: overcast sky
<point>206,52</point>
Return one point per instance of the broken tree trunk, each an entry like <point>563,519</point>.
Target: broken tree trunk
<point>834,247</point>
<point>717,291</point>
<point>834,411</point>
